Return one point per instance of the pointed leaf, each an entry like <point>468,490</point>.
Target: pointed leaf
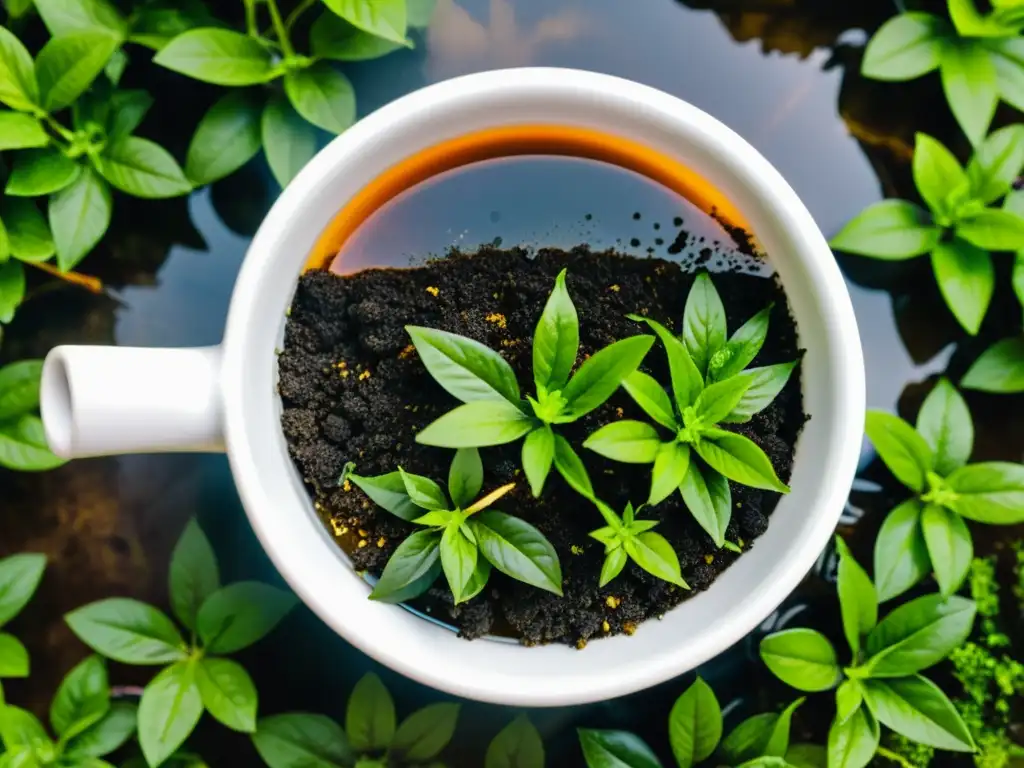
<point>383,18</point>
<point>720,399</point>
<point>219,56</point>
<point>670,470</point>
<point>227,138</point>
<point>12,289</point>
<point>477,425</point>
<point>370,716</point>
<point>742,348</point>
<point>423,491</point>
<point>764,385</point>
<point>892,230</point>
<point>937,172</point>
<point>996,164</point>
<point>739,459</point>
<point>107,735</point>
<point>918,635</point>
<point>709,499</point>
<point>388,492</point>
<point>765,735</point>
<point>288,141</point>
<point>704,328</point>
<point>906,47</point>
<point>84,693</point>
<point>23,445</point>
<point>904,452</point>
<point>19,131</point>
<point>538,455</point>
<point>969,80</point>
<point>168,712</point>
<point>14,661</point>
<point>128,631</point>
<point>901,557</point>
<point>466,369</point>
<point>950,548</point>
<point>423,735</point>
<point>571,468</point>
<point>557,339</point>
<point>40,172</point>
<point>999,369</point>
<point>299,739</point>
<point>79,216</point>
<point>687,382</point>
<point>632,442</point>
<point>67,65</point>
<point>991,492</point>
<point>18,86</point>
<point>518,745</point>
<point>19,393</point>
<point>458,561</point>
<point>651,397</point>
<point>323,96</point>
<point>228,693</point>
<point>66,17</point>
<point>945,424</point>
<point>517,549</point>
<point>858,601</point>
<point>331,37</point>
<point>993,230</point>
<point>915,707</point>
<point>194,575</point>
<point>142,168</point>
<point>802,658</point>
<point>849,697</point>
<point>615,749</point>
<point>652,552</point>
<point>614,562</point>
<point>695,724</point>
<point>236,616</point>
<point>602,373</point>
<point>465,476</point>
<point>415,563</point>
<point>852,744</point>
<point>27,231</point>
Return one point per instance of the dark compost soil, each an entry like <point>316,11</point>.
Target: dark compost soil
<point>354,389</point>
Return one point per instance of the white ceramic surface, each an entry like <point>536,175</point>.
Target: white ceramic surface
<point>98,401</point>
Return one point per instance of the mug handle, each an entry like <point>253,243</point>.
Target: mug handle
<point>101,401</point>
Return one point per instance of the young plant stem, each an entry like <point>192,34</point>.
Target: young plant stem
<point>250,18</point>
<point>279,29</point>
<point>299,9</point>
<point>895,757</point>
<point>59,129</point>
<point>92,284</point>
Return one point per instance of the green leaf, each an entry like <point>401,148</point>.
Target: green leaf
<point>107,735</point>
<point>802,658</point>
<point>704,328</point>
<point>23,445</point>
<point>901,557</point>
<point>219,56</point>
<point>571,468</point>
<point>614,562</point>
<point>476,425</point>
<point>142,168</point>
<point>615,749</point>
<point>414,563</point>
<point>858,601</point>
<point>84,693</point>
<point>388,492</point>
<point>651,397</point>
<point>236,616</point>
<point>999,369</point>
<point>40,172</point>
<point>1007,55</point>
<point>370,716</point>
<point>19,387</point>
<point>331,37</point>
<point>158,22</point>
<point>517,745</point>
<point>739,459</point>
<point>79,216</point>
<point>969,80</point>
<point>383,18</point>
<point>997,162</point>
<point>915,707</point>
<point>323,96</point>
<point>993,230</point>
<point>904,452</point>
<point>652,552</point>
<point>423,734</point>
<point>302,741</point>
<point>602,373</point>
<point>19,578</point>
<point>67,65</point>
<point>458,561</point>
<point>937,173</point>
<point>709,499</point>
<point>67,17</point>
<point>169,711</point>
<point>632,442</point>
<point>538,455</point>
<point>991,492</point>
<point>228,693</point>
<point>29,236</point>
<point>764,385</point>
<point>687,382</point>
<point>517,549</point>
<point>950,548</point>
<point>852,744</point>
<point>466,369</point>
<point>194,575</point>
<point>465,476</point>
<point>742,348</point>
<point>906,47</point>
<point>695,724</point>
<point>556,340</point>
<point>918,634</point>
<point>849,697</point>
<point>20,131</point>
<point>970,23</point>
<point>945,423</point>
<point>720,399</point>
<point>892,230</point>
<point>13,657</point>
<point>227,138</point>
<point>12,289</point>
<point>423,491</point>
<point>20,728</point>
<point>807,756</point>
<point>670,470</point>
<point>765,735</point>
<point>128,631</point>
<point>18,86</point>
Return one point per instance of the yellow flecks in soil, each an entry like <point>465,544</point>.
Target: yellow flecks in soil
<point>364,375</point>
<point>362,543</point>
<point>576,549</point>
<point>338,528</point>
<point>354,520</point>
<point>381,542</point>
<point>433,290</point>
<point>346,486</point>
<point>629,627</point>
<point>342,369</point>
<point>408,351</point>
<point>609,471</point>
<point>498,319</point>
<point>509,342</point>
<point>606,626</point>
<point>740,543</point>
<point>518,472</point>
<point>614,288</point>
<point>619,412</point>
<point>739,504</point>
<point>363,534</point>
<point>709,559</point>
<point>613,602</point>
<point>644,311</point>
<point>581,644</point>
<point>659,270</point>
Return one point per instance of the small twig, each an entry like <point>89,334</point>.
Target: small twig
<point>250,17</point>
<point>895,757</point>
<point>279,28</point>
<point>299,9</point>
<point>93,284</point>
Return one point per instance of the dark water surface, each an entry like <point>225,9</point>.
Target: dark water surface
<point>782,73</point>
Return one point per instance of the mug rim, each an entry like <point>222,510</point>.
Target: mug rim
<point>264,487</point>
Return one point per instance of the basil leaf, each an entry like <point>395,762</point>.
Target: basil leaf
<point>413,562</point>
<point>538,455</point>
<point>466,369</point>
<point>108,734</point>
<point>670,468</point>
<point>128,631</point>
<point>423,492</point>
<point>1006,54</point>
<point>802,658</point>
<point>916,708</point>
<point>765,735</point>
<point>370,716</point>
<point>918,634</point>
<point>743,346</point>
<point>383,18</point>
<point>288,141</point>
<point>557,339</point>
<point>906,47</point>
<point>993,230</point>
<point>704,328</point>
<point>966,278</point>
<point>287,741</point>
<point>849,697</point>
<point>228,693</point>
<point>687,382</point>
<point>18,131</point>
<point>997,162</point>
<point>632,442</point>
<point>14,660</point>
<point>651,397</point>
<point>739,459</point>
<point>807,756</point>
<point>695,724</point>
<point>20,728</point>
<point>40,172</point>
<point>67,65</point>
<point>458,560</point>
<point>83,693</point>
<point>517,549</point>
<point>169,711</point>
<point>465,477</point>
<point>602,373</point>
<point>614,562</point>
<point>29,236</point>
<point>709,499</point>
<point>477,425</point>
<point>950,548</point>
<point>128,109</point>
<point>19,387</point>
<point>892,230</point>
<point>79,216</point>
<point>990,492</point>
<point>323,96</point>
<point>142,168</point>
<point>652,552</point>
<point>853,743</point>
<point>331,37</point>
<point>858,601</point>
<point>970,83</point>
<point>478,580</point>
<point>12,289</point>
<point>999,369</point>
<point>423,734</point>
<point>937,173</point>
<point>517,745</point>
<point>23,445</point>
<point>19,578</point>
<point>969,22</point>
<point>18,86</point>
<point>388,492</point>
<point>65,17</point>
<point>904,452</point>
<point>764,385</point>
<point>571,468</point>
<point>901,557</point>
<point>219,56</point>
<point>236,616</point>
<point>227,138</point>
<point>615,749</point>
<point>945,424</point>
<point>720,399</point>
<point>194,575</point>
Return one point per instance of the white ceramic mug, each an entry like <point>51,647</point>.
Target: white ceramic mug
<point>99,400</point>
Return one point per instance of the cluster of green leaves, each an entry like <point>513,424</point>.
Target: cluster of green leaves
<point>999,369</point>
<point>494,413</point>
<point>518,745</point>
<point>371,738</point>
<point>961,227</point>
<point>883,683</point>
<point>464,538</point>
<point>711,385</point>
<point>980,57</point>
<point>695,728</point>
<point>220,620</point>
<point>22,440</point>
<point>927,533</point>
<point>19,578</point>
